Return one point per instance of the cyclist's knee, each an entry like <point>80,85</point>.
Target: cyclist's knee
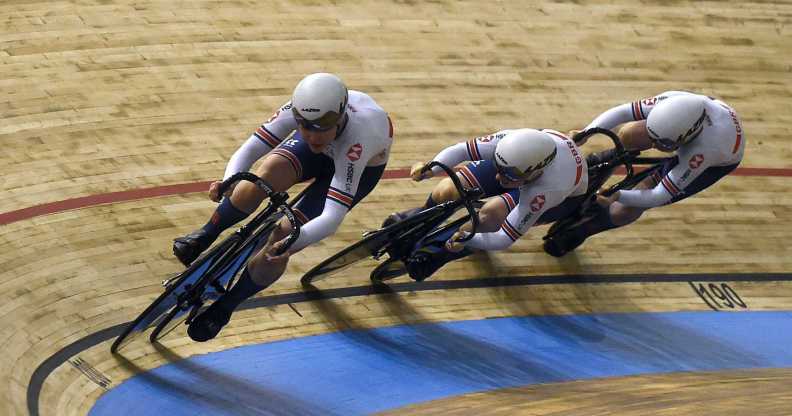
<point>445,191</point>
<point>247,197</point>
<point>278,172</point>
<point>491,218</point>
<point>622,214</point>
<point>634,136</point>
<point>264,271</point>
<point>280,232</point>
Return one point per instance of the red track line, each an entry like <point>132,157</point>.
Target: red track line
<point>186,188</point>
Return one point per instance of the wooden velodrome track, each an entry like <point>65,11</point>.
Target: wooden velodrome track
<point>107,101</point>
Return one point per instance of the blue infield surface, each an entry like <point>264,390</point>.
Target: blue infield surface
<point>364,371</point>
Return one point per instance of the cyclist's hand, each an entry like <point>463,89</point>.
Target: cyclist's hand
<point>605,201</point>
<point>572,134</point>
<point>453,245</point>
<point>415,172</point>
<point>272,251</point>
<point>214,191</point>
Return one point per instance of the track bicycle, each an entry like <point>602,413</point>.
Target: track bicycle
<point>599,171</point>
<point>399,240</point>
<point>215,271</point>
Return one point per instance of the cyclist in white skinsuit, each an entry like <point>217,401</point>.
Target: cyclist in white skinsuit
<point>538,177</point>
<point>341,139</point>
<point>704,133</point>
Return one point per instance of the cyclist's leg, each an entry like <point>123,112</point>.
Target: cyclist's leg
<point>433,255</point>
<point>618,215</point>
<point>282,168</point>
<point>605,218</point>
<point>563,210</point>
<point>261,271</point>
<point>633,136</point>
<point>479,174</point>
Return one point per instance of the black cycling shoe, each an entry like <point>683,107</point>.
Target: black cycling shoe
<point>189,247</point>
<point>563,243</point>
<point>422,264</point>
<point>208,324</point>
<point>399,216</point>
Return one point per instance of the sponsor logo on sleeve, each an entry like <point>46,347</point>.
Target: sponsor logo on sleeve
<point>696,161</point>
<point>491,137</point>
<point>286,107</point>
<point>354,152</point>
<point>649,101</point>
<point>350,175</point>
<point>537,203</point>
<point>525,220</point>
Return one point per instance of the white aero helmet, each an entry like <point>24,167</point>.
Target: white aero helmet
<point>319,101</point>
<point>676,120</point>
<point>522,154</point>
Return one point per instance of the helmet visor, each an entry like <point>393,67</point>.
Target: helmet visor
<point>666,144</point>
<point>515,175</point>
<point>509,172</point>
<point>326,122</point>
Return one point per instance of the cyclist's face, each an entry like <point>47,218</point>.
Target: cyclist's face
<point>508,183</point>
<point>317,140</point>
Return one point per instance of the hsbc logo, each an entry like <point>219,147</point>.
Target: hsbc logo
<point>354,152</point>
<point>537,203</point>
<point>696,161</point>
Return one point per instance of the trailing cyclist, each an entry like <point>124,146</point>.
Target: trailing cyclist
<point>704,133</point>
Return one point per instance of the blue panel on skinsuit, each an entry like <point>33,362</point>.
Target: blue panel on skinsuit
<point>365,371</point>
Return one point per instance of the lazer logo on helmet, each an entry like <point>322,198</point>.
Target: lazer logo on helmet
<point>310,110</point>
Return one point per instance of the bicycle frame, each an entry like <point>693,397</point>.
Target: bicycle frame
<point>222,262</point>
<point>377,243</point>
<point>600,173</point>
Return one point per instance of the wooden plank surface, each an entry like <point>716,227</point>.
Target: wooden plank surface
<point>107,96</point>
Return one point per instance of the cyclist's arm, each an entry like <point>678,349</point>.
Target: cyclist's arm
<point>268,136</point>
<point>323,225</point>
<point>517,223</point>
<point>634,111</point>
<point>247,154</point>
<point>615,116</point>
<point>480,148</point>
<point>451,156</point>
<point>671,185</point>
<point>343,188</point>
